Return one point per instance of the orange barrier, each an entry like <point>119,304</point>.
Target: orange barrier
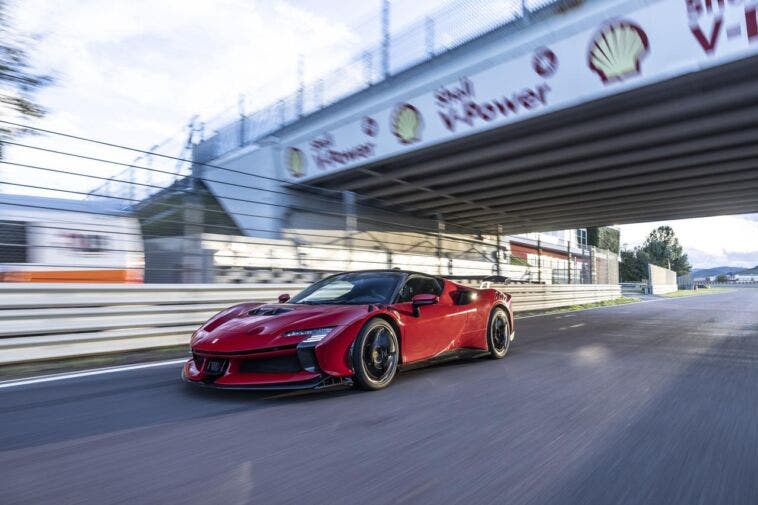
<point>90,276</point>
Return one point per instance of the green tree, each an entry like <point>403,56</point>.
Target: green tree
<point>604,237</point>
<point>633,267</point>
<point>662,248</point>
<point>18,81</point>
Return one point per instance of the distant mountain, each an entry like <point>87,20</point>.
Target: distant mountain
<point>749,271</point>
<point>710,272</point>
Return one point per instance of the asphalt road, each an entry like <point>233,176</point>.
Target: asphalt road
<point>646,403</point>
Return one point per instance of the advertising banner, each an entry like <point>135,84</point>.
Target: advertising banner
<point>653,43</point>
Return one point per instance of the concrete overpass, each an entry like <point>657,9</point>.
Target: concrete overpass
<point>683,148</point>
<point>608,113</point>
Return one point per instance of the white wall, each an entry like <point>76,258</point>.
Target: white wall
<point>661,280</point>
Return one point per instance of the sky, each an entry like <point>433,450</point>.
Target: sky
<point>709,242</point>
<point>135,72</point>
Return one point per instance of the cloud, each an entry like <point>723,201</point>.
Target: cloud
<point>135,72</point>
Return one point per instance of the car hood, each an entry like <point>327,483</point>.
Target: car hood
<point>262,326</point>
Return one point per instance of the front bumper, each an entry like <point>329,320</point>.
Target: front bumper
<point>280,369</point>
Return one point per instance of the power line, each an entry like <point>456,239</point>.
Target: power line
<point>225,256</point>
<point>366,218</point>
<point>167,156</point>
<point>250,240</point>
<point>253,241</point>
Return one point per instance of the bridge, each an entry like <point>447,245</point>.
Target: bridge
<point>588,113</point>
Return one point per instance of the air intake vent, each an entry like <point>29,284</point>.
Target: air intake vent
<point>266,310</point>
<point>278,364</point>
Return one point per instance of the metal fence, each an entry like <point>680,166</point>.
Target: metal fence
<point>306,257</point>
<point>448,28</point>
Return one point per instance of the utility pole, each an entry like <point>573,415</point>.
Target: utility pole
<point>150,158</point>
<point>385,38</point>
<point>497,249</point>
<point>440,231</point>
<point>539,260</point>
<point>300,85</point>
<point>351,222</point>
<point>524,10</point>
<point>429,32</point>
<point>241,110</point>
<point>568,253</point>
<point>193,219</point>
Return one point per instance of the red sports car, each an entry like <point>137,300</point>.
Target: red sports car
<point>353,327</point>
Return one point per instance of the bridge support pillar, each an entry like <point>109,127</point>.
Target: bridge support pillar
<point>539,259</point>
<point>351,222</point>
<point>568,259</point>
<point>440,231</point>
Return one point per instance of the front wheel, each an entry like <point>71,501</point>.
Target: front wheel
<point>375,355</point>
<point>498,334</point>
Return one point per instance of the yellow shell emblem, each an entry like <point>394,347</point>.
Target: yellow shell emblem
<point>296,162</point>
<point>407,123</point>
<point>617,50</point>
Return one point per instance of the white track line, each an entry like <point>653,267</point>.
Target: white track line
<point>86,373</point>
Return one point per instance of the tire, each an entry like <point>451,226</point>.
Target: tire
<point>375,355</point>
<point>498,334</point>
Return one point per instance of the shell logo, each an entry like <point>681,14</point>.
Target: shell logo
<point>544,62</point>
<point>369,126</point>
<point>406,123</point>
<point>617,51</point>
<point>295,160</point>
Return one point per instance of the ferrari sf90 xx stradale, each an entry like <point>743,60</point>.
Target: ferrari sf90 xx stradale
<point>353,327</point>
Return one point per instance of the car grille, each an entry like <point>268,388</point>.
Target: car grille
<point>215,366</point>
<point>198,361</point>
<point>277,364</point>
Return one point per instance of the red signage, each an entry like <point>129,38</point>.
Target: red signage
<point>458,104</point>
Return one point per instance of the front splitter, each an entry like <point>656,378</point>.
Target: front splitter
<point>320,382</point>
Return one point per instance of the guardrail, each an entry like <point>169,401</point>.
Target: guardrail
<point>533,297</point>
<point>633,288</point>
<point>51,321</point>
<point>753,285</point>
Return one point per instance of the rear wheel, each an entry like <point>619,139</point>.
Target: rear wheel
<point>498,334</point>
<point>375,355</point>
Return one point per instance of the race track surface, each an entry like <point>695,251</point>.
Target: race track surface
<point>646,403</point>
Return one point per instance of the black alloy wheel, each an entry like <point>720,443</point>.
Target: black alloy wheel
<point>498,334</point>
<point>375,355</point>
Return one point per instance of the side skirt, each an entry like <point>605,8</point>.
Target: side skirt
<point>457,354</point>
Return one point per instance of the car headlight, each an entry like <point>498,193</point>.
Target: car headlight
<point>312,335</point>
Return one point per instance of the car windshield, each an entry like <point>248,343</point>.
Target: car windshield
<point>354,288</point>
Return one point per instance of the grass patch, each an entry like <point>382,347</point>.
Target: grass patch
<point>605,303</point>
<point>690,292</point>
<point>519,261</point>
<point>582,306</point>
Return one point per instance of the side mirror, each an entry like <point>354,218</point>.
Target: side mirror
<point>284,298</point>
<point>423,299</point>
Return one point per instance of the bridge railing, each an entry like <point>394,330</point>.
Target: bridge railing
<point>54,321</point>
<point>448,28</point>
